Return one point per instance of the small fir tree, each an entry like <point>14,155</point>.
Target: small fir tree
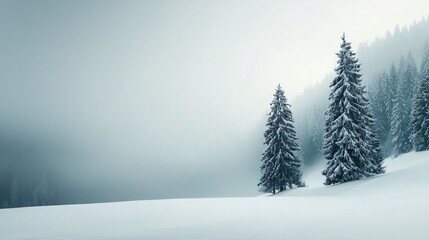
<point>280,164</point>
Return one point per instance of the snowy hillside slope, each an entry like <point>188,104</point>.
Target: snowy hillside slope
<point>394,205</point>
<point>407,174</point>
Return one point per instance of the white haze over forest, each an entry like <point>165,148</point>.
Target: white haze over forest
<point>121,100</point>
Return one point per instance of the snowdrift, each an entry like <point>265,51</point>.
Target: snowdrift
<point>394,205</point>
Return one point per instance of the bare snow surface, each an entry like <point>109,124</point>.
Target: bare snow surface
<point>394,205</point>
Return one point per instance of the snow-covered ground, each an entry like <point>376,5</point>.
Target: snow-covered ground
<point>394,205</point>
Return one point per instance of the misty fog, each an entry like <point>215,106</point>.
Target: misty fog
<point>112,101</point>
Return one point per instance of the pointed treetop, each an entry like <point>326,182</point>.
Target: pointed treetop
<point>279,91</point>
<point>344,37</point>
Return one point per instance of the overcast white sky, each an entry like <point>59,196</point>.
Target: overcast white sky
<point>137,77</point>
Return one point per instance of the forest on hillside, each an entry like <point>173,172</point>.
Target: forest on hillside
<point>399,69</point>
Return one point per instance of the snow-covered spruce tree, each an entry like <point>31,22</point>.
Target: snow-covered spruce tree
<point>380,105</point>
<point>280,164</point>
<point>402,107</point>
<point>348,132</point>
<point>412,69</point>
<point>424,67</point>
<point>392,91</point>
<point>420,117</point>
<point>388,95</point>
<point>420,113</point>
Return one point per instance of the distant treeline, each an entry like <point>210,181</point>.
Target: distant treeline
<point>27,175</point>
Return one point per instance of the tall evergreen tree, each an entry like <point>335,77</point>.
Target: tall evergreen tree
<point>392,91</point>
<point>420,121</point>
<point>424,66</point>
<point>401,116</point>
<point>380,105</point>
<point>347,133</point>
<point>402,66</point>
<point>413,73</point>
<point>420,117</point>
<point>280,164</point>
